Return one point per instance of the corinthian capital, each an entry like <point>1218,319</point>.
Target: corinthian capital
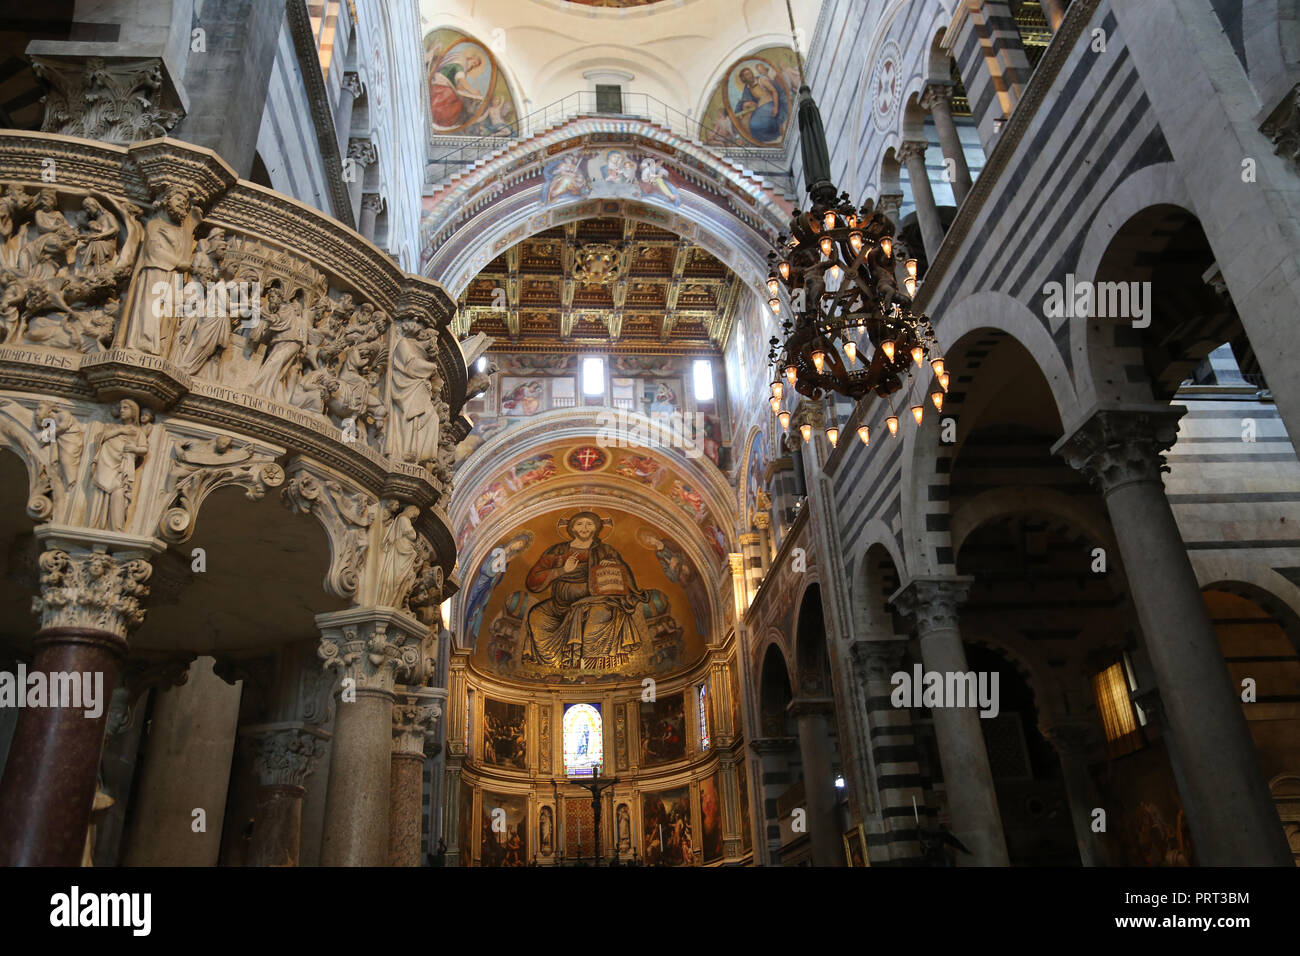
<point>285,755</point>
<point>92,589</point>
<point>1121,444</point>
<point>936,95</point>
<point>415,720</point>
<point>912,148</point>
<point>878,660</point>
<point>932,602</point>
<point>362,152</point>
<point>370,648</point>
<point>111,99</point>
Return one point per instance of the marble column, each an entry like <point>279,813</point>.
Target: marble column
<point>361,155</point>
<point>891,204</point>
<point>349,89</point>
<point>284,756</point>
<point>1054,11</point>
<point>1229,808</point>
<point>1072,741</point>
<point>415,718</point>
<point>813,716</point>
<point>369,648</point>
<point>88,602</point>
<point>912,153</point>
<point>186,768</point>
<point>972,799</point>
<point>372,204</point>
<point>936,98</point>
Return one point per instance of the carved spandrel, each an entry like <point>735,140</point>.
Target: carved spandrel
<point>347,515</point>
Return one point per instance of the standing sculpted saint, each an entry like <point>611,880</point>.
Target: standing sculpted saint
<point>168,247</point>
<point>120,449</point>
<point>416,381</point>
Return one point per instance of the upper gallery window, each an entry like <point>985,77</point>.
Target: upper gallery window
<point>583,743</point>
<point>702,379</point>
<point>593,375</point>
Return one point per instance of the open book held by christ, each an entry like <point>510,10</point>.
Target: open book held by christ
<point>607,578</point>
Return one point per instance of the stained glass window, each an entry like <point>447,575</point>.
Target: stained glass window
<point>704,716</point>
<point>583,741</point>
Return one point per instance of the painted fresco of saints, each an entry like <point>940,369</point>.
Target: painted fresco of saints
<point>591,611</point>
<point>763,107</point>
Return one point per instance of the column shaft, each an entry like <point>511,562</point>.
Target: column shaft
<point>940,106</point>
<point>186,768</point>
<point>356,802</point>
<point>1229,809</point>
<point>49,777</point>
<point>819,788</point>
<point>277,831</point>
<point>972,798</point>
<point>406,788</point>
<point>927,212</point>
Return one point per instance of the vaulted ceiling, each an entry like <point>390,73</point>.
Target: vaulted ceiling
<point>609,283</point>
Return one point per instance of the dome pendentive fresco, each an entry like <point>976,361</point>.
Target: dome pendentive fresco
<point>590,595</point>
<point>468,93</point>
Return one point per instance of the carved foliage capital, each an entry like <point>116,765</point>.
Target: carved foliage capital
<point>936,95</point>
<point>92,589</point>
<point>116,100</point>
<point>912,149</point>
<point>414,721</point>
<point>932,602</point>
<point>1122,445</point>
<point>877,660</point>
<point>370,655</point>
<point>286,756</point>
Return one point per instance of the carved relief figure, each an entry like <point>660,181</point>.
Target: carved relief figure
<point>67,444</point>
<point>416,380</point>
<point>397,570</point>
<point>284,328</point>
<point>114,466</point>
<point>204,333</point>
<point>98,247</point>
<point>168,247</point>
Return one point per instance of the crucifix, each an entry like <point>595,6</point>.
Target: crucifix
<point>596,786</point>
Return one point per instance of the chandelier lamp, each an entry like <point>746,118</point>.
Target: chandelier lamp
<point>848,327</point>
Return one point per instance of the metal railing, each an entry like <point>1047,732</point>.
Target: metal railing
<point>452,153</point>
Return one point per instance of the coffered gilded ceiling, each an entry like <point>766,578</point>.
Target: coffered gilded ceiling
<point>609,283</point>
